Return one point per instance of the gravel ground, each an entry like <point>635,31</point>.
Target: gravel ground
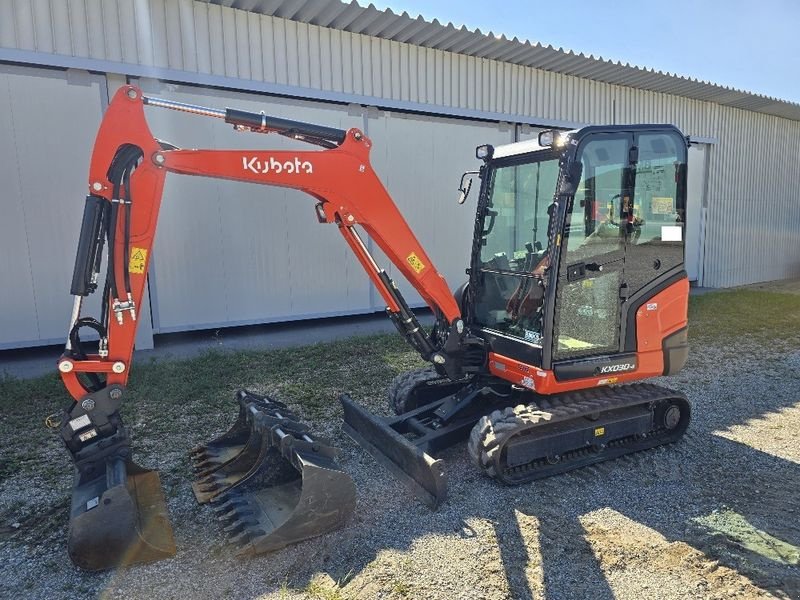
<point>713,516</point>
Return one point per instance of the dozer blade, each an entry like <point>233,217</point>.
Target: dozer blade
<point>423,475</point>
<point>119,518</point>
<point>271,482</point>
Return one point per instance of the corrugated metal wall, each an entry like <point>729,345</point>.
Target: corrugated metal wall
<point>753,228</point>
<point>752,231</point>
<point>209,39</point>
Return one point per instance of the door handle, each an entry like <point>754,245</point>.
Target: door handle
<point>594,266</point>
<point>579,271</point>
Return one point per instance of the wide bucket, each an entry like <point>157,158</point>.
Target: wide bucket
<point>119,518</point>
<point>271,481</point>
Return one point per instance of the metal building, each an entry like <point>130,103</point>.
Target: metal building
<point>426,93</point>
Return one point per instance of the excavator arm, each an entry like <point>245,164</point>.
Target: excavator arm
<point>126,181</point>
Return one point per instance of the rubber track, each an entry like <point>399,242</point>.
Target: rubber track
<point>494,431</point>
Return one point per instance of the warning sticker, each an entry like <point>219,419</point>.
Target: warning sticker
<point>661,206</point>
<point>138,259</point>
<point>415,262</point>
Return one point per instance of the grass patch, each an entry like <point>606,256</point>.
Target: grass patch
<point>319,590</point>
<point>172,405</point>
<point>744,315</point>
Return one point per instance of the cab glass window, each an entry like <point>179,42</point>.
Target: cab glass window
<point>657,215</point>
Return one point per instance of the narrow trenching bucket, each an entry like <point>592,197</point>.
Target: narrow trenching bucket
<point>119,518</point>
<point>271,481</point>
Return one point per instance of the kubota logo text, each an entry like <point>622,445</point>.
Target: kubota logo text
<point>266,165</point>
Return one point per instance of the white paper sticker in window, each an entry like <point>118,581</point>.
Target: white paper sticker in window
<point>671,233</point>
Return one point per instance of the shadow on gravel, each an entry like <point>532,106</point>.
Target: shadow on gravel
<point>561,542</point>
<point>714,476</point>
<point>747,519</point>
<point>765,497</point>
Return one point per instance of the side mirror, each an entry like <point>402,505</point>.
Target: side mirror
<point>466,186</point>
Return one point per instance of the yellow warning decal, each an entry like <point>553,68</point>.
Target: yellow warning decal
<point>598,431</point>
<point>137,261</point>
<point>415,262</point>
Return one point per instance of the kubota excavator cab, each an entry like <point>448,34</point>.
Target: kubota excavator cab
<point>554,282</point>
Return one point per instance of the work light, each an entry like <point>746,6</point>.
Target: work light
<point>484,152</point>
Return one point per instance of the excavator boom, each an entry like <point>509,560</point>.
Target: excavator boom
<point>340,178</point>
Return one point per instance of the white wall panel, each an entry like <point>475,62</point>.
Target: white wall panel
<point>420,161</point>
<point>44,184</point>
<point>229,252</point>
<point>753,216</point>
<point>17,299</point>
<point>695,191</point>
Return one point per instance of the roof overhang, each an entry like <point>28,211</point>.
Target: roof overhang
<point>368,20</point>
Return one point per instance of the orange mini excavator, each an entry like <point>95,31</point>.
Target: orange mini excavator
<point>576,288</point>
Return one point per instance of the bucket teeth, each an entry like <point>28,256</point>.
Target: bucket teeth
<point>239,525</point>
<point>234,513</point>
<point>222,498</point>
<point>206,468</point>
<point>271,482</point>
<point>210,487</point>
<point>229,504</point>
<point>230,520</point>
<point>246,536</point>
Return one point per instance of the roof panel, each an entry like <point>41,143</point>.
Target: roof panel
<point>386,24</point>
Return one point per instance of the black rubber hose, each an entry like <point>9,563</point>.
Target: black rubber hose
<point>101,238</point>
<point>95,383</point>
<point>111,277</point>
<point>104,305</point>
<point>126,179</point>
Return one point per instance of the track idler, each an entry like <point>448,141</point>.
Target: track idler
<point>272,483</point>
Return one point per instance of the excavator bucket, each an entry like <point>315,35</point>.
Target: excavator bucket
<point>119,518</point>
<point>272,483</point>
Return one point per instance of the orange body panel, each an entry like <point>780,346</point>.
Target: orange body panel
<point>659,317</point>
<point>341,178</point>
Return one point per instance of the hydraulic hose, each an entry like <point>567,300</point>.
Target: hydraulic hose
<point>126,178</point>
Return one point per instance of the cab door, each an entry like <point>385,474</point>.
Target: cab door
<point>587,314</point>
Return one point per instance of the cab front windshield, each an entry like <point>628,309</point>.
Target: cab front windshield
<point>513,255</point>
